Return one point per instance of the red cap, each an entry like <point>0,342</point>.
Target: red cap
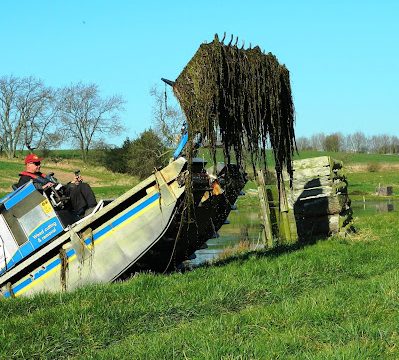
<point>31,158</point>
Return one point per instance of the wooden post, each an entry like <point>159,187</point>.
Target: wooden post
<point>285,223</point>
<point>264,205</point>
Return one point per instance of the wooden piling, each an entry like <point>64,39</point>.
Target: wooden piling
<point>267,233</point>
<point>288,230</point>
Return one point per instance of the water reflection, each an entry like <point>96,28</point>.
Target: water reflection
<point>374,206</point>
<point>243,225</point>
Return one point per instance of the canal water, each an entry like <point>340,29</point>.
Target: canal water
<point>374,207</point>
<point>244,224</point>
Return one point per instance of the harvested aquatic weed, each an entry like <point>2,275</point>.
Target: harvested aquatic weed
<point>241,97</point>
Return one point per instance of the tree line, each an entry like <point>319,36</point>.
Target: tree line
<point>357,142</point>
<point>36,116</point>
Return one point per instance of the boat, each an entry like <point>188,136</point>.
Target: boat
<point>43,250</point>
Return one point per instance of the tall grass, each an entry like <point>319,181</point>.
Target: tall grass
<point>336,299</point>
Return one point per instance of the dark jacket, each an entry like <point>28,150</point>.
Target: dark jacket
<point>81,195</point>
<point>39,179</point>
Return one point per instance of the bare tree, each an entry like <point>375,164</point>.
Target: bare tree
<point>303,143</point>
<point>394,144</point>
<point>42,128</point>
<point>358,142</point>
<point>384,141</point>
<point>168,119</point>
<point>86,116</point>
<point>374,143</point>
<point>26,112</point>
<point>317,141</point>
<point>10,120</point>
<point>380,144</point>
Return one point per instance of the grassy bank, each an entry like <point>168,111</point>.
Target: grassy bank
<point>347,158</point>
<point>335,299</point>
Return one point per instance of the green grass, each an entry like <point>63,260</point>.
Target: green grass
<point>8,175</point>
<point>337,299</point>
<point>365,183</point>
<point>351,158</point>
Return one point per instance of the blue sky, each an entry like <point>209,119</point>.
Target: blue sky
<point>343,55</point>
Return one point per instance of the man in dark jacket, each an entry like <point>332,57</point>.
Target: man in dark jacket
<point>82,199</point>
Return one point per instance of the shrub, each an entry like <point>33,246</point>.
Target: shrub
<point>138,157</point>
<point>373,167</point>
<point>146,153</point>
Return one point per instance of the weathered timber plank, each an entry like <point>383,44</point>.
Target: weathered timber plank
<point>292,225</point>
<point>336,183</point>
<point>318,198</point>
<point>331,189</point>
<point>321,161</point>
<point>321,225</point>
<point>293,200</point>
<point>311,173</point>
<point>327,205</point>
<point>303,178</point>
<point>264,205</point>
<point>312,192</point>
<point>284,218</point>
<point>307,183</point>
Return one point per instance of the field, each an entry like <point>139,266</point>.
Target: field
<point>334,299</point>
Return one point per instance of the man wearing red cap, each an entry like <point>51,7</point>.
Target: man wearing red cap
<point>32,172</point>
<point>82,198</point>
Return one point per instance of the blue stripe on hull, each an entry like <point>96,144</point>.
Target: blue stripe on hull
<point>87,241</point>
